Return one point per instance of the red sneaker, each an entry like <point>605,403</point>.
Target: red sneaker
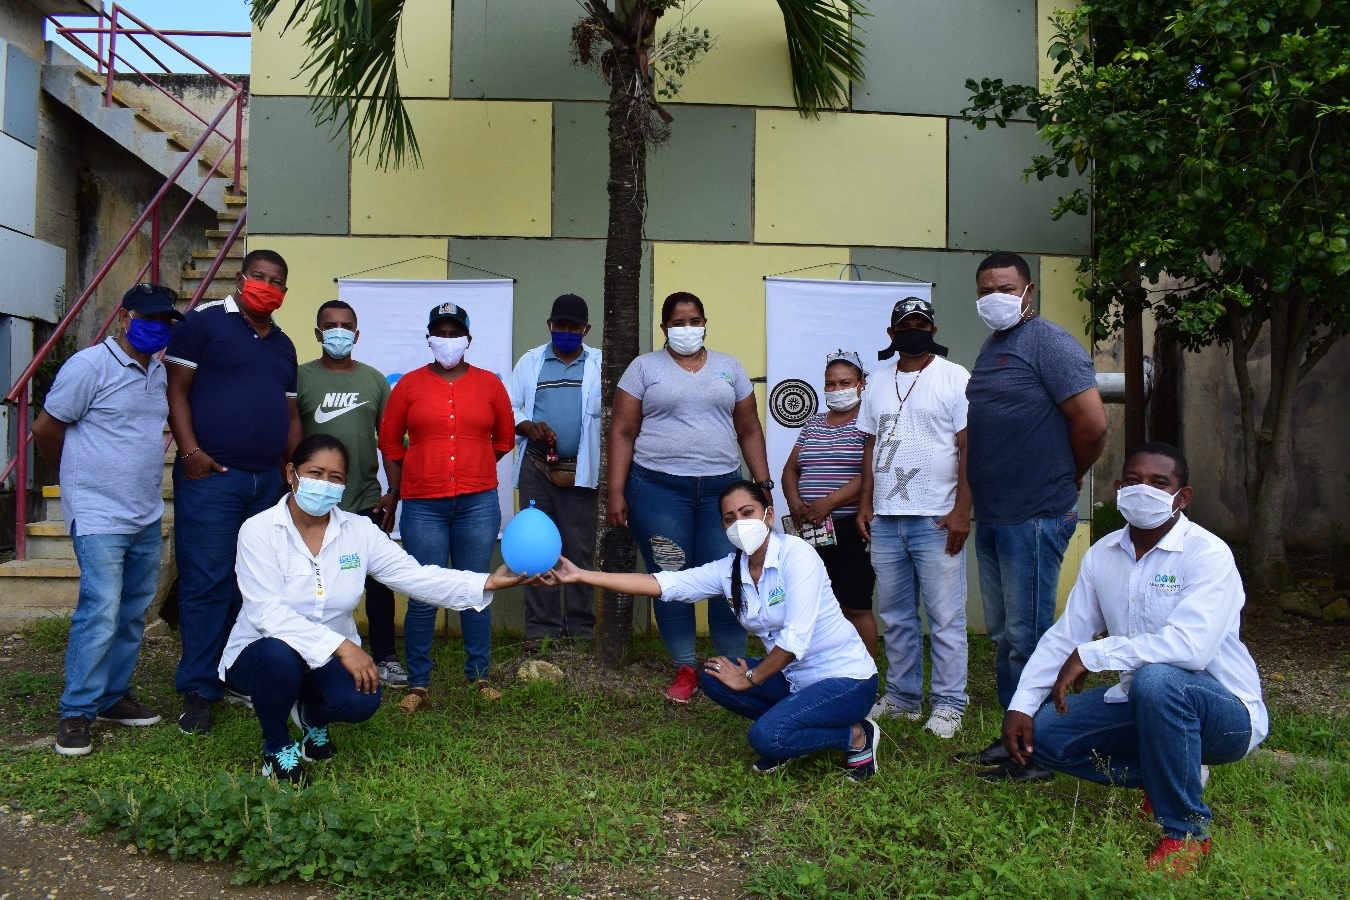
<point>1177,857</point>
<point>684,687</point>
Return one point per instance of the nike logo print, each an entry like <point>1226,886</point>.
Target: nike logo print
<point>320,416</point>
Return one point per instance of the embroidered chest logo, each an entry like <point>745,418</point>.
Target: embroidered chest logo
<point>1168,583</point>
<point>350,561</point>
<point>725,376</point>
<point>776,596</point>
<point>335,404</point>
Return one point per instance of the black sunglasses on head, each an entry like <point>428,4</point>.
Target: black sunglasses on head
<point>148,288</point>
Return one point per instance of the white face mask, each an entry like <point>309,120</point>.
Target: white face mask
<point>748,535</point>
<point>449,352</point>
<point>1144,506</point>
<point>842,401</point>
<point>1001,311</point>
<point>685,339</point>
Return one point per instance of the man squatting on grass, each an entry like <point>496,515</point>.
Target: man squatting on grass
<point>1167,596</point>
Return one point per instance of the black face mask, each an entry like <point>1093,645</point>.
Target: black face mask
<point>912,342</point>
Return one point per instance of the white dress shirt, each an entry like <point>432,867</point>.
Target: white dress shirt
<point>308,600</point>
<point>1180,604</point>
<point>793,607</point>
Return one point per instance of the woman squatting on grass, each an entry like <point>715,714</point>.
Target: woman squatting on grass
<point>302,568</point>
<point>814,689</point>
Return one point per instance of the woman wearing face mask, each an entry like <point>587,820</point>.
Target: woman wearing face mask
<point>683,416</point>
<point>814,688</point>
<point>458,422</point>
<point>821,481</point>
<point>302,567</point>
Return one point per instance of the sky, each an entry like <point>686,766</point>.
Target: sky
<point>226,55</point>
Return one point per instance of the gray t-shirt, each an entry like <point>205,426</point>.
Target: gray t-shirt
<point>1019,462</point>
<point>112,461</point>
<point>686,416</point>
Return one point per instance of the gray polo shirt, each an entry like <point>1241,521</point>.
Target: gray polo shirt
<point>112,462</point>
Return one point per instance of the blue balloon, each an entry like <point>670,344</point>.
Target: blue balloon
<point>531,543</point>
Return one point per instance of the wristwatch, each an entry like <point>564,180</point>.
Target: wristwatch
<point>767,484</point>
<point>750,675</point>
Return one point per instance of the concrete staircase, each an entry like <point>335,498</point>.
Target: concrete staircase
<point>161,148</point>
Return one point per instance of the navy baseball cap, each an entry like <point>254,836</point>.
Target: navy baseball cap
<point>570,308</point>
<point>150,300</point>
<point>449,311</point>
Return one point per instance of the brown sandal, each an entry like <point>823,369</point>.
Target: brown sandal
<point>487,691</point>
<point>413,700</point>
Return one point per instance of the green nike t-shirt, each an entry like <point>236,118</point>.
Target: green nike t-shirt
<point>349,406</point>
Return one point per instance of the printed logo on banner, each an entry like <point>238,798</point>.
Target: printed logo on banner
<point>792,402</point>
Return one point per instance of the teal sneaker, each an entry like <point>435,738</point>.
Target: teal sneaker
<point>315,744</point>
<point>286,766</point>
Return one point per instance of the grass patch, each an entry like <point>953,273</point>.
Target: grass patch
<point>49,633</point>
<point>555,785</point>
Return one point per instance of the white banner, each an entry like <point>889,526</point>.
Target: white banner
<point>805,320</point>
<point>392,316</point>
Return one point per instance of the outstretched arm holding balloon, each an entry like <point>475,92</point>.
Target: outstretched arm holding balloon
<point>637,584</point>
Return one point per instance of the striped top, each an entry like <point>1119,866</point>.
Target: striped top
<point>830,457</point>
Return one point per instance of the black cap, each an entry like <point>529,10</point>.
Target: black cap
<point>449,311</point>
<point>570,308</point>
<point>150,300</point>
<point>911,306</point>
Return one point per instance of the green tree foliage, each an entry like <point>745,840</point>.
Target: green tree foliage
<point>1214,134</point>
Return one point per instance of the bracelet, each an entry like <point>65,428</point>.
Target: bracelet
<point>183,456</point>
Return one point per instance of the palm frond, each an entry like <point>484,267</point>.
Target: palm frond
<point>353,72</point>
<point>824,51</point>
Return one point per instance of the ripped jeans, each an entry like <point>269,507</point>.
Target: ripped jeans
<point>677,525</point>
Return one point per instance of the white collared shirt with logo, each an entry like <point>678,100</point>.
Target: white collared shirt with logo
<point>792,607</point>
<point>1180,604</point>
<point>308,600</point>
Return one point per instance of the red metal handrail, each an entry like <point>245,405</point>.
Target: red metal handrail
<point>106,61</point>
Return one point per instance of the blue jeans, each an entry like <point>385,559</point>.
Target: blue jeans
<point>1175,721</point>
<point>820,717</point>
<point>1019,584</point>
<point>677,525</point>
<point>909,554</point>
<point>208,513</point>
<point>118,574</point>
<point>459,531</point>
<point>276,678</point>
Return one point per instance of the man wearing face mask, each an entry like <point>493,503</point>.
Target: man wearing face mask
<point>1037,425</point>
<point>555,393</point>
<point>345,398</point>
<point>232,410</point>
<point>915,509</point>
<point>102,427</point>
<point>458,422</point>
<point>1168,598</point>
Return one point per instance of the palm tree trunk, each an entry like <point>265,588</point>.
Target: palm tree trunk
<point>623,272</point>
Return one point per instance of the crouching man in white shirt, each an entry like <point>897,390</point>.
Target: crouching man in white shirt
<point>1167,595</point>
<point>302,568</point>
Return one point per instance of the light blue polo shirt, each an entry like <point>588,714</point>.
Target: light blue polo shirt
<point>557,401</point>
<point>112,462</point>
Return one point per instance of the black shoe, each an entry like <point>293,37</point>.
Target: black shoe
<point>862,763</point>
<point>315,744</point>
<point>286,766</point>
<point>196,715</point>
<point>127,711</point>
<point>992,755</point>
<point>72,736</point>
<point>1011,771</point>
<point>767,765</point>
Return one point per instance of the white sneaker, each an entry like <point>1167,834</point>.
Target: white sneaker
<point>1204,776</point>
<point>885,707</point>
<point>945,722</point>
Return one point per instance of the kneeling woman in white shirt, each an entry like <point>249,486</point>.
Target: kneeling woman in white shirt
<point>814,689</point>
<point>302,567</point>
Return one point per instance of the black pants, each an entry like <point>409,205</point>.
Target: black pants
<point>379,608</point>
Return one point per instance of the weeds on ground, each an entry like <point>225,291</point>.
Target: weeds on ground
<point>520,796</point>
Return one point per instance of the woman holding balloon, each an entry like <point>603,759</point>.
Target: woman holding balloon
<point>814,688</point>
<point>302,568</point>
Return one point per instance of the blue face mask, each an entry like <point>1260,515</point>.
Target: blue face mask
<point>318,497</point>
<point>566,341</point>
<point>337,342</point>
<point>148,335</point>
